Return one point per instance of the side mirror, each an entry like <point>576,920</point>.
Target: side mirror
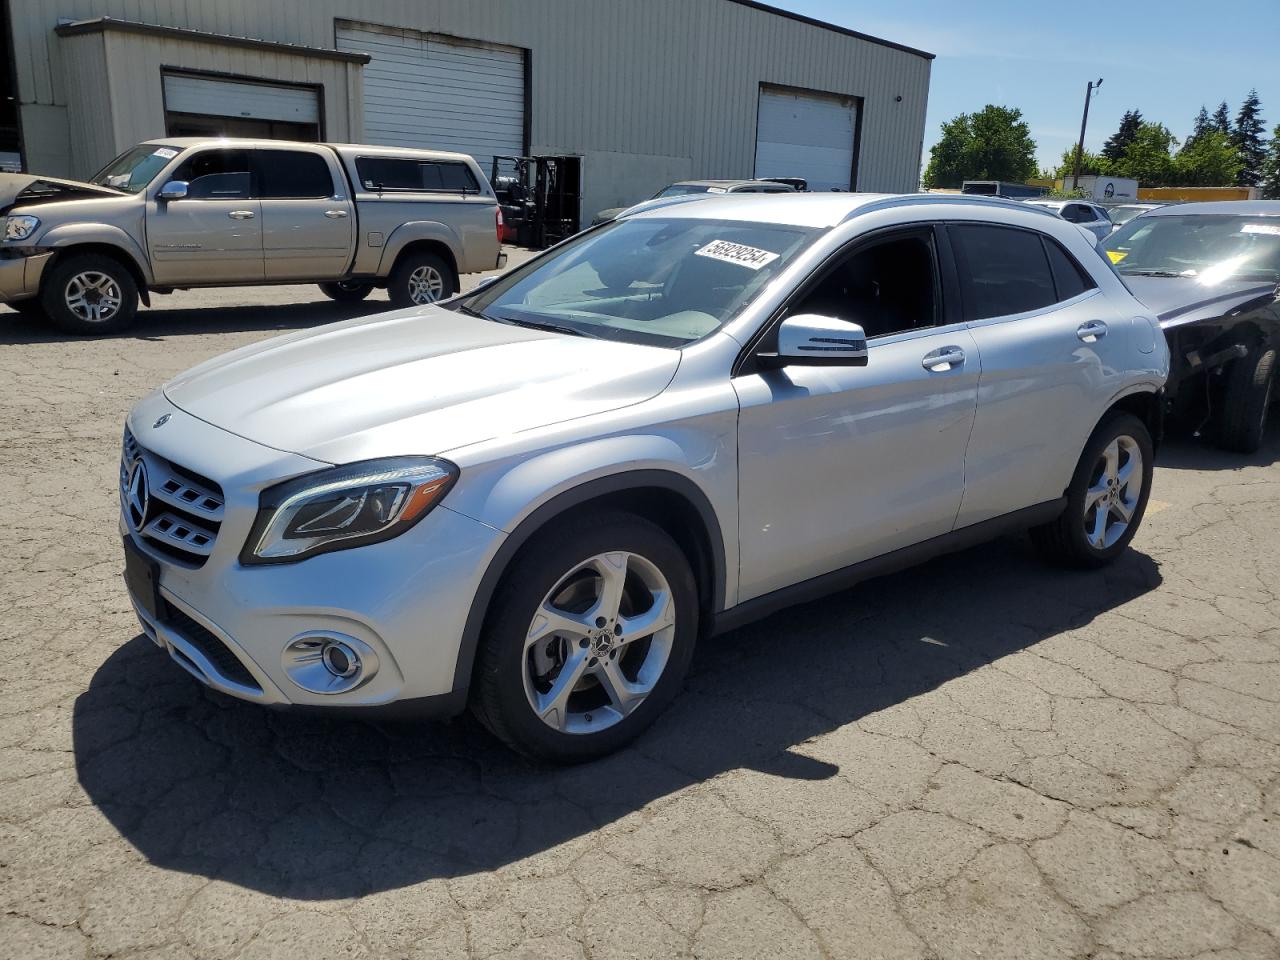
<point>173,190</point>
<point>809,340</point>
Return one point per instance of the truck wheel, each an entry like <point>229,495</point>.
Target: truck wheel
<point>347,291</point>
<point>1106,499</point>
<point>421,278</point>
<point>1246,400</point>
<point>589,637</point>
<point>89,294</point>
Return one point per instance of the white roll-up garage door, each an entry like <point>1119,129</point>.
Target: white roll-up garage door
<point>207,96</point>
<point>422,90</point>
<point>804,134</point>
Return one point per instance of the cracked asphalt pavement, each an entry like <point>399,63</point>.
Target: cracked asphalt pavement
<point>981,757</point>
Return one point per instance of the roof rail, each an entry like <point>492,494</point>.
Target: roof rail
<point>947,199</point>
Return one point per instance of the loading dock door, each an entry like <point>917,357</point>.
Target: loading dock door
<point>806,134</point>
<point>440,93</point>
<point>212,106</point>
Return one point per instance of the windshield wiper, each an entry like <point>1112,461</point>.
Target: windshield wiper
<point>1155,273</point>
<point>543,325</point>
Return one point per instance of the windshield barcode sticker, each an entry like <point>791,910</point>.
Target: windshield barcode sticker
<point>1270,229</point>
<point>164,153</point>
<point>753,258</point>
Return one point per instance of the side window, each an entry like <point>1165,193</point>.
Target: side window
<point>1071,213</point>
<point>452,177</point>
<point>390,173</point>
<point>293,175</point>
<point>1069,277</point>
<point>217,175</point>
<point>889,286</point>
<point>1003,271</point>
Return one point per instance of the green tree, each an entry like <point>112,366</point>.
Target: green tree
<point>1148,157</point>
<point>993,144</point>
<point>1222,118</point>
<point>1270,180</point>
<point>1201,126</point>
<point>1207,160</point>
<point>1114,148</point>
<point>1247,136</point>
<point>1090,164</point>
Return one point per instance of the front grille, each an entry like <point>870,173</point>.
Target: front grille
<point>213,649</point>
<point>183,509</point>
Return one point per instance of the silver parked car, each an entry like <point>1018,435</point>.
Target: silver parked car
<point>534,498</point>
<point>688,187</point>
<point>200,212</point>
<point>1088,216</point>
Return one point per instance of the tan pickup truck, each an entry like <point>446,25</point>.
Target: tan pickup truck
<point>186,212</point>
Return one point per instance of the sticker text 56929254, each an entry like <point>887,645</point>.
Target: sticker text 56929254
<point>753,258</point>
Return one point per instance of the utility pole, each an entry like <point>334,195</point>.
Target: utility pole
<point>1084,121</point>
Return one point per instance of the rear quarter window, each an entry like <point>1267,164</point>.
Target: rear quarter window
<point>403,174</point>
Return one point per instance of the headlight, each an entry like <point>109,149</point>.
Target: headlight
<point>20,227</point>
<point>345,507</point>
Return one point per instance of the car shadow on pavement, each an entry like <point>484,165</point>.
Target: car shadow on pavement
<point>159,323</point>
<point>314,807</point>
<point>1195,453</point>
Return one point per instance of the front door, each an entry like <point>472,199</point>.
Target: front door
<point>214,235</point>
<point>1053,354</point>
<point>308,220</point>
<point>841,464</point>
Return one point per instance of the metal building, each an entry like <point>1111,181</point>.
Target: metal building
<point>643,91</point>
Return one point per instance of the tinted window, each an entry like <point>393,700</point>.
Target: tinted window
<point>293,174</point>
<point>1068,276</point>
<point>888,287</point>
<point>217,175</point>
<point>390,173</point>
<point>1003,271</point>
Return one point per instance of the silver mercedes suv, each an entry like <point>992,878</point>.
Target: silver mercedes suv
<point>534,498</point>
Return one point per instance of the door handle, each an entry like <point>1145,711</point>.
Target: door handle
<point>241,214</point>
<point>1091,331</point>
<point>943,359</point>
<point>335,214</point>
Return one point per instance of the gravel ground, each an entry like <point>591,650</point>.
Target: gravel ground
<point>979,757</point>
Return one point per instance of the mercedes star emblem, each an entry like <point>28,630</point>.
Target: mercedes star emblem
<point>137,498</point>
<point>161,422</point>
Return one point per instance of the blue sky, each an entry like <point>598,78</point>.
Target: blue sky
<point>1163,58</point>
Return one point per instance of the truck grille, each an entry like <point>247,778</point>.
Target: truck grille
<point>176,512</point>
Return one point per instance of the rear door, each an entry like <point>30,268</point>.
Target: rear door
<point>1052,350</point>
<point>214,234</point>
<point>308,218</point>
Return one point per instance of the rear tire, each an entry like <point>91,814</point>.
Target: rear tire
<point>421,278</point>
<point>1246,399</point>
<point>568,687</point>
<point>346,291</point>
<point>89,294</point>
<point>1103,509</point>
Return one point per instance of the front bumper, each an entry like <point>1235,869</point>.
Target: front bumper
<point>229,625</point>
<point>20,273</point>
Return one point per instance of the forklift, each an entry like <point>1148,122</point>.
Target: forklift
<point>540,198</point>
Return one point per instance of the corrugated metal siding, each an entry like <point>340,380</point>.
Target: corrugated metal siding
<point>672,78</point>
<point>210,96</point>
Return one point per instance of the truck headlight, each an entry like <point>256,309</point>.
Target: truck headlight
<point>20,226</point>
<point>345,506</point>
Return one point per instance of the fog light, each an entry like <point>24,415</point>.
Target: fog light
<point>328,663</point>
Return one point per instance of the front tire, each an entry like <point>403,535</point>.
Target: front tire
<point>421,278</point>
<point>1106,499</point>
<point>346,291</point>
<point>589,637</point>
<point>1246,400</point>
<point>88,294</point>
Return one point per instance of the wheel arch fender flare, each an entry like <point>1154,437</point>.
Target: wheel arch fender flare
<point>600,483</point>
<point>65,238</point>
<point>418,231</point>
<point>1146,401</point>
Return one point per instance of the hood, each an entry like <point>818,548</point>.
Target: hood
<point>414,382</point>
<point>28,190</point>
<point>1181,300</point>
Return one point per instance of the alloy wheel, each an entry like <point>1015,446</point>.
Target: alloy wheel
<point>93,296</point>
<point>426,285</point>
<point>598,643</point>
<point>1114,492</point>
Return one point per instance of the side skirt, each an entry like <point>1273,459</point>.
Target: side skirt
<point>846,577</point>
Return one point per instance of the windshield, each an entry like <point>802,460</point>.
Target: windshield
<point>135,168</point>
<point>1125,214</point>
<point>663,282</point>
<point>680,189</point>
<point>1209,247</point>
